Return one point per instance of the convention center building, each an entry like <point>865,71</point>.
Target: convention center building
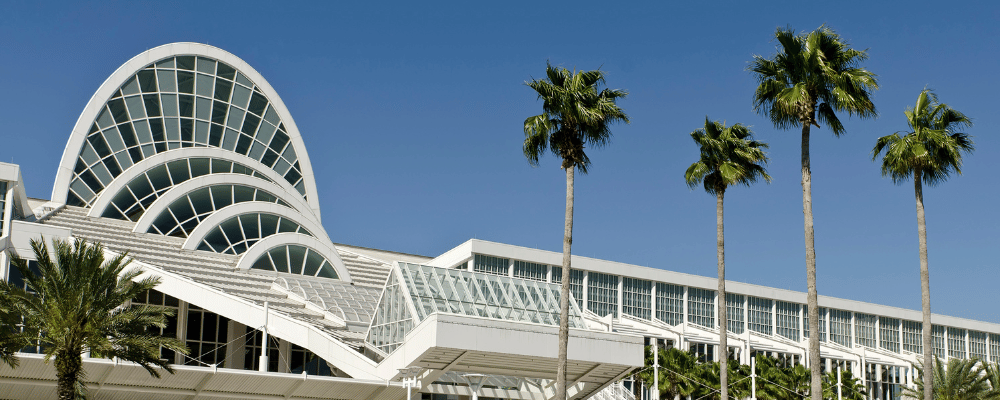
<point>187,159</point>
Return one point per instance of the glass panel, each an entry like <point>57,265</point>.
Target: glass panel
<point>167,80</point>
<point>280,257</point>
<point>205,85</point>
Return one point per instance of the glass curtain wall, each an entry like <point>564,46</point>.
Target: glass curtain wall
<point>669,303</point>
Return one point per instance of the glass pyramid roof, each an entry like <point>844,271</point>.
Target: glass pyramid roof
<point>413,292</point>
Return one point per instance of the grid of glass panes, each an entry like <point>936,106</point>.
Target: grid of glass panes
<point>787,319</point>
<point>185,213</point>
<point>994,348</point>
<point>575,283</point>
<point>393,318</point>
<point>251,351</point>
<point>840,327</point>
<point>937,340</point>
<point>236,234</point>
<point>888,333</point>
<point>491,265</point>
<point>207,334</point>
<point>822,323</point>
<point>602,293</point>
<point>303,360</point>
<point>977,345</point>
<point>912,332</point>
<point>131,202</point>
<point>637,297</point>
<point>669,303</point>
<point>701,307</point>
<point>759,314</point>
<point>734,312</point>
<point>182,102</point>
<point>956,342</point>
<point>156,298</point>
<point>527,270</point>
<point>864,329</point>
<point>295,259</point>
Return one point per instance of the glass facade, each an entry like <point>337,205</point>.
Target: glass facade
<point>527,270</point>
<point>491,265</point>
<point>181,102</point>
<point>295,259</point>
<point>787,318</point>
<point>759,312</point>
<point>912,333</point>
<point>888,333</point>
<point>734,312</point>
<point>977,345</point>
<point>840,327</point>
<point>864,330</point>
<point>236,234</point>
<point>207,335</point>
<point>669,303</point>
<point>575,283</point>
<point>355,303</point>
<point>994,343</point>
<point>156,298</point>
<point>427,290</point>
<point>701,307</point>
<point>956,342</point>
<point>937,340</point>
<point>131,202</point>
<point>822,323</point>
<point>185,213</point>
<point>602,294</point>
<point>637,297</point>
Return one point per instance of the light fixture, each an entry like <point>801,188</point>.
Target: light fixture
<point>410,375</point>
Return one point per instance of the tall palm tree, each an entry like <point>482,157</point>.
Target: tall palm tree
<point>812,77</point>
<point>576,112</point>
<point>729,156</point>
<point>77,305</point>
<point>929,153</point>
<point>960,379</point>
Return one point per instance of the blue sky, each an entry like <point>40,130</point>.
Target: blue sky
<point>412,116</point>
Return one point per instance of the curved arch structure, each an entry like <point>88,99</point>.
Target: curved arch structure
<point>252,207</point>
<point>108,110</point>
<point>207,181</point>
<point>103,200</point>
<point>247,259</point>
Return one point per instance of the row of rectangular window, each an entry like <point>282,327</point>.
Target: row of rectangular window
<point>765,316</point>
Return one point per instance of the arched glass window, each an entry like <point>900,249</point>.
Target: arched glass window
<point>236,234</point>
<point>132,200</point>
<point>295,259</point>
<point>185,213</point>
<point>178,102</point>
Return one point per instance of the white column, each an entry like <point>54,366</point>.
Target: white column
<point>944,340</point>
<point>655,390</point>
<point>586,282</point>
<point>621,295</point>
<point>652,305</point>
<point>182,322</point>
<point>685,308</point>
<point>968,347</point>
<point>774,317</point>
<point>852,339</point>
<point>548,273</point>
<point>878,332</point>
<point>510,268</point>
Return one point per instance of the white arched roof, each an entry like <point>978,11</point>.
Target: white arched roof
<point>78,136</point>
<point>258,249</point>
<point>105,197</point>
<point>222,214</point>
<point>191,185</point>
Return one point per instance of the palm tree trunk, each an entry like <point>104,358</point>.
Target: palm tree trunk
<point>564,292</point>
<point>816,388</point>
<point>68,367</point>
<point>925,288</point>
<point>723,320</point>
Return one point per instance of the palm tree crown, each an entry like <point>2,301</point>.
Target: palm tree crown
<point>814,75</point>
<point>77,304</point>
<point>729,156</point>
<point>932,149</point>
<point>576,113</point>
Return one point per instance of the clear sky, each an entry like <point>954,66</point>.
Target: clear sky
<point>412,114</point>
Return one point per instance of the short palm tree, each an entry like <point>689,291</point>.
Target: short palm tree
<point>812,77</point>
<point>851,388</point>
<point>960,379</point>
<point>929,153</point>
<point>77,304</point>
<point>729,156</point>
<point>576,113</point>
